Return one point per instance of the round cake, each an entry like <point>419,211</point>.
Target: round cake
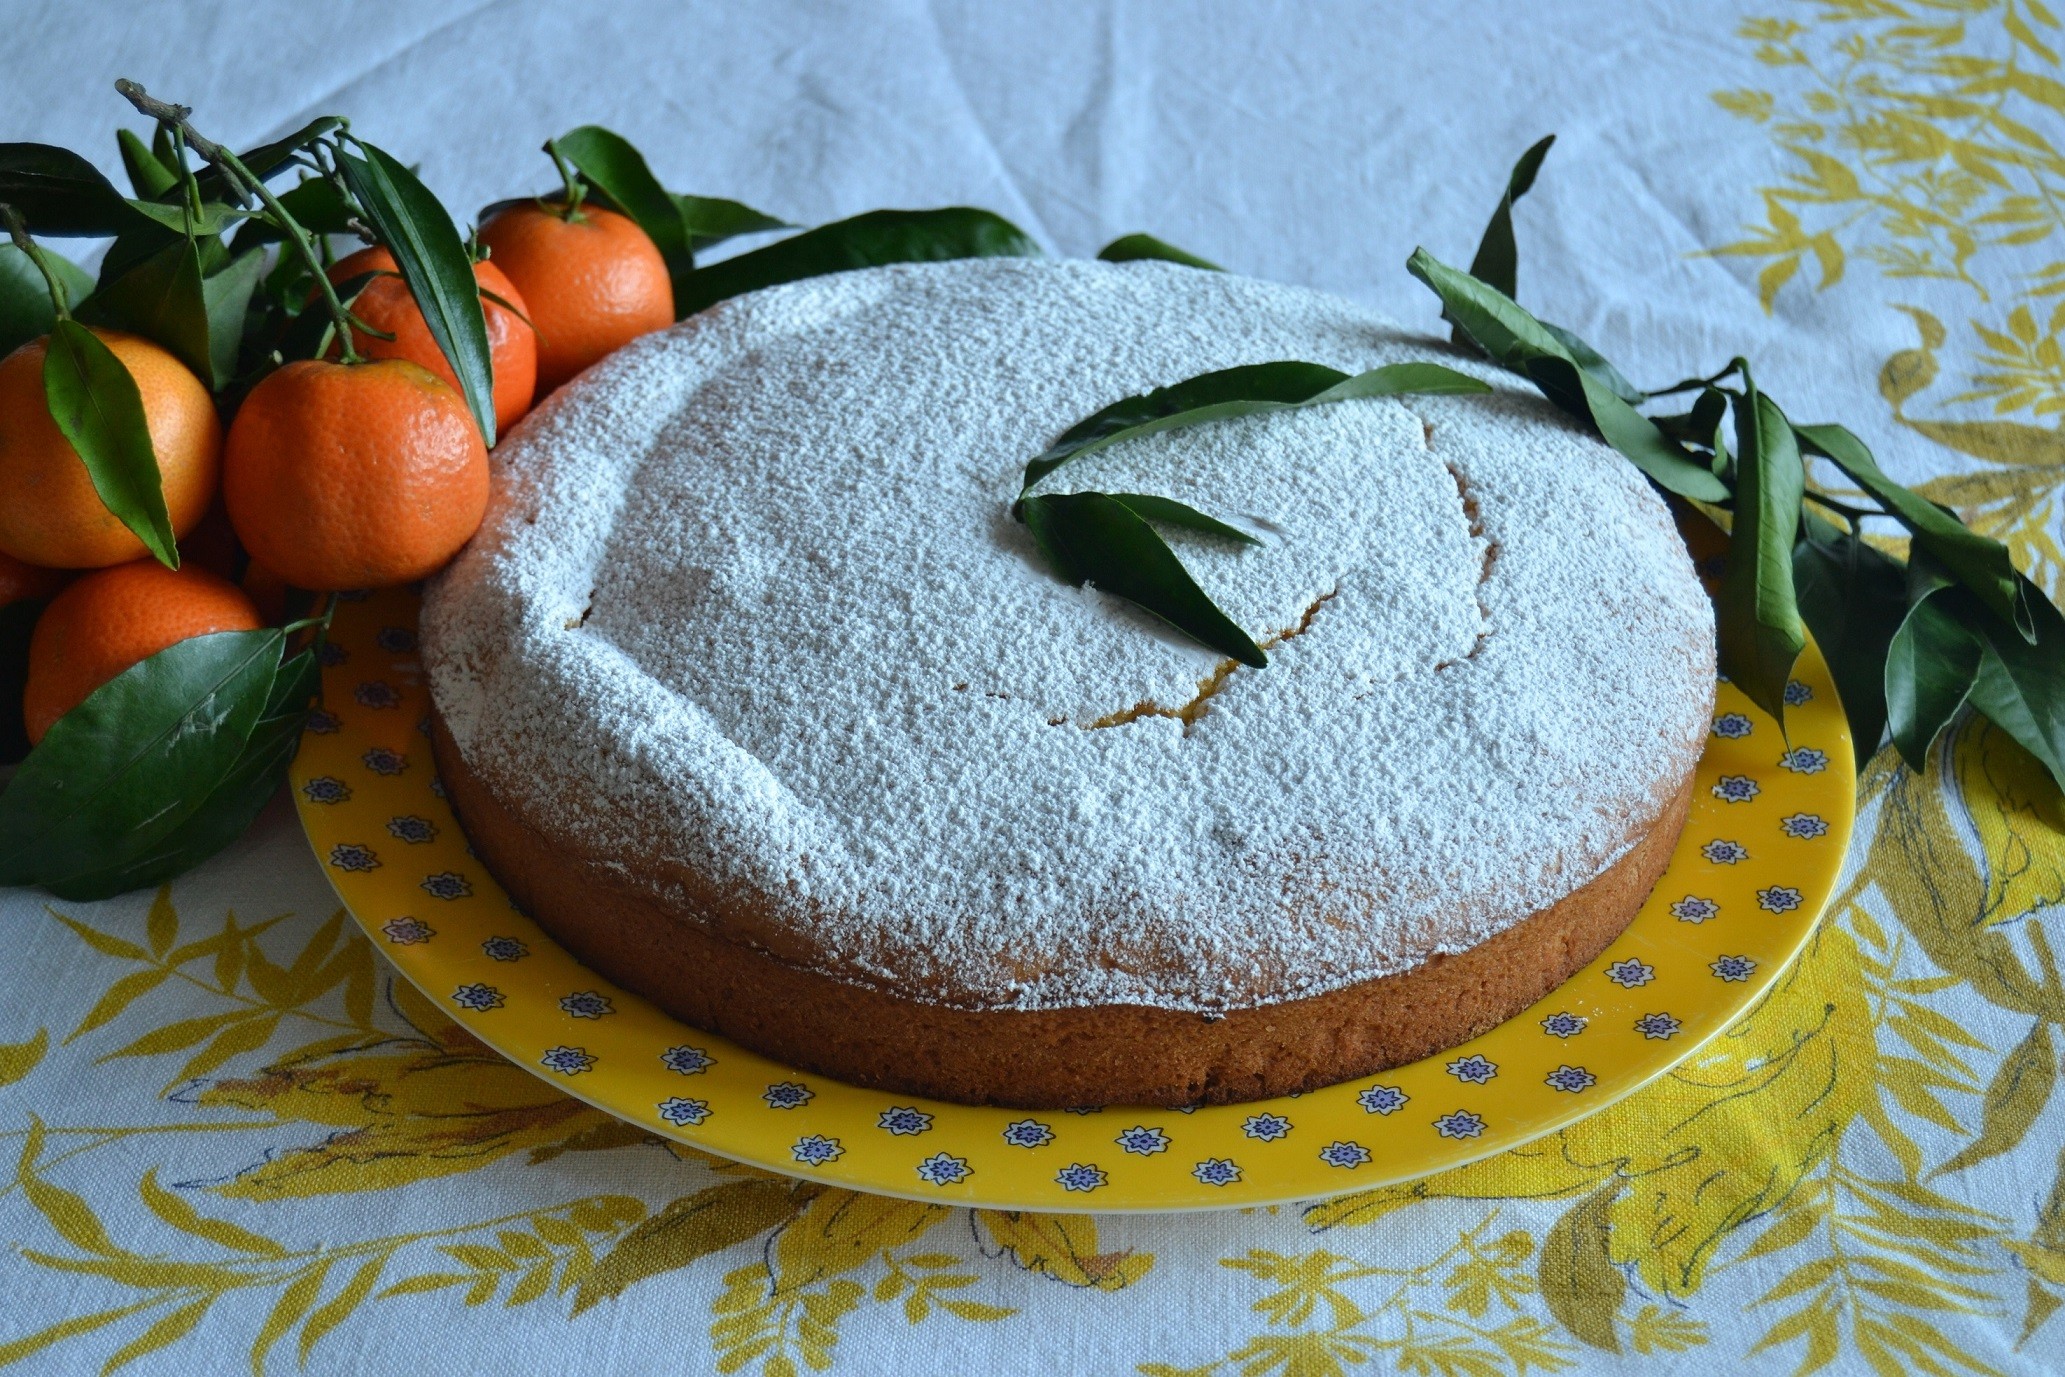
<point>754,694</point>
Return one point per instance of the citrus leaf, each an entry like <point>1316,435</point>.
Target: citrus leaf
<point>317,204</point>
<point>426,246</point>
<point>1853,598</point>
<point>1167,511</point>
<point>1760,632</point>
<point>1517,341</point>
<point>1596,364</point>
<point>2021,687</point>
<point>1930,668</point>
<point>1091,538</point>
<point>59,193</point>
<point>1981,564</point>
<point>149,175</point>
<point>689,1228</point>
<point>227,295</point>
<point>1241,391</point>
<point>98,409</point>
<point>711,220</point>
<point>267,158</point>
<point>1497,260</point>
<point>607,161</point>
<point>865,241</point>
<point>120,771</point>
<point>160,299</point>
<point>1131,248</point>
<point>25,310</point>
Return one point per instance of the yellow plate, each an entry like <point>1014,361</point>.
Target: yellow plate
<point>1758,860</point>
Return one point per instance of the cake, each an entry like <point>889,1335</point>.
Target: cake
<point>753,693</point>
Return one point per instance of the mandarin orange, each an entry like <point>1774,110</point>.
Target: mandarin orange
<point>341,476</point>
<point>50,514</point>
<point>111,619</point>
<point>385,304</point>
<point>592,282</point>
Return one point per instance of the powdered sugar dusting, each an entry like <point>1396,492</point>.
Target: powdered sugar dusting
<point>749,607</point>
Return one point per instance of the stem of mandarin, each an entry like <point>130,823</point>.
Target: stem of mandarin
<point>19,232</point>
<point>175,117</point>
<point>576,190</point>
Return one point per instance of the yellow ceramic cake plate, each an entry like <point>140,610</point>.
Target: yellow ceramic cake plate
<point>1769,825</point>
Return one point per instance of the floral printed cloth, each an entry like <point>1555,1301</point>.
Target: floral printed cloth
<point>229,1137</point>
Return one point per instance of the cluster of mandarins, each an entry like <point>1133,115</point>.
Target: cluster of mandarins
<point>333,476</point>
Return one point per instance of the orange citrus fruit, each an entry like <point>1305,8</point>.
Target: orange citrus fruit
<point>20,582</point>
<point>111,619</point>
<point>592,283</point>
<point>385,304</point>
<point>342,476</point>
<point>49,512</point>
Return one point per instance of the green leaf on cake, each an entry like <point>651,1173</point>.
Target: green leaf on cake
<point>426,246</point>
<point>1243,391</point>
<point>1167,511</point>
<point>865,241</point>
<point>1517,341</point>
<point>96,406</point>
<point>1094,538</point>
<point>1131,248</point>
<point>1760,630</point>
<point>120,775</point>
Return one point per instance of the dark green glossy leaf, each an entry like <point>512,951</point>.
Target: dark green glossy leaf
<point>161,299</point>
<point>1697,425</point>
<point>227,808</point>
<point>214,217</point>
<point>2021,686</point>
<point>124,769</point>
<point>1497,261</point>
<point>1759,619</point>
<point>149,176</point>
<point>865,241</point>
<point>97,407</point>
<point>1131,248</point>
<point>1516,340</point>
<point>1982,565</point>
<point>1167,511</point>
<point>317,205</point>
<point>309,334</point>
<point>711,220</point>
<point>1241,391</point>
<point>268,158</point>
<point>1852,597</point>
<point>25,310</point>
<point>59,193</point>
<point>1091,538</point>
<point>228,297</point>
<point>426,246</point>
<point>607,161</point>
<point>1597,364</point>
<point>17,622</point>
<point>1930,669</point>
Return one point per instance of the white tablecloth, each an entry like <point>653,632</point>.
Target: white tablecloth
<point>1866,1175</point>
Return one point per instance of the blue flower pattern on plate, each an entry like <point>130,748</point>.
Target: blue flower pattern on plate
<point>407,932</point>
<point>1564,1025</point>
<point>687,1061</point>
<point>412,829</point>
<point>1657,1027</point>
<point>1724,852</point>
<point>1733,967</point>
<point>477,997</point>
<point>356,858</point>
<point>1027,1133</point>
<point>382,761</point>
<point>1732,726</point>
<point>1473,1069</point>
<point>567,1061</point>
<point>814,1150</point>
<point>1461,1124</point>
<point>1265,1128</point>
<point>1382,1099</point>
<point>1804,826</point>
<point>446,884</point>
<point>1573,1079</point>
<point>1080,1176</point>
<point>1736,789</point>
<point>1804,760</point>
<point>586,1004</point>
<point>1143,1141</point>
<point>904,1121</point>
<point>1691,909</point>
<point>787,1095</point>
<point>1216,1171</point>
<point>1630,973</point>
<point>1347,1155</point>
<point>326,789</point>
<point>1779,899</point>
<point>684,1112</point>
<point>505,949</point>
<point>943,1169</point>
<point>375,693</point>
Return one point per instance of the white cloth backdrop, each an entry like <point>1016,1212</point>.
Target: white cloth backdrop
<point>1314,143</point>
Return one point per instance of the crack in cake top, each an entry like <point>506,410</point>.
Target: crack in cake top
<point>749,623</point>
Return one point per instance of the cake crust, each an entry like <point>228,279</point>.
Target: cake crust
<point>1046,1058</point>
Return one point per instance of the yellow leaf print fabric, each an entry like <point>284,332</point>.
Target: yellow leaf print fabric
<point>231,1139</point>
